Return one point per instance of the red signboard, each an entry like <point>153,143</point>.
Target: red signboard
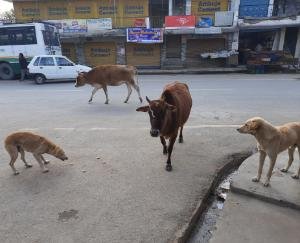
<point>188,21</point>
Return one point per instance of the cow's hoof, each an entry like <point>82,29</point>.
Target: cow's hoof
<point>106,103</point>
<point>255,179</point>
<point>28,165</point>
<point>16,173</point>
<point>266,184</point>
<point>168,167</point>
<point>126,101</point>
<point>165,151</point>
<point>46,162</point>
<point>90,101</point>
<point>284,170</point>
<point>141,100</point>
<point>180,140</point>
<point>295,177</point>
<point>45,171</point>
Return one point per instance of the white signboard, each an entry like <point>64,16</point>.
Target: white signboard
<point>207,31</point>
<point>94,25</point>
<point>223,18</point>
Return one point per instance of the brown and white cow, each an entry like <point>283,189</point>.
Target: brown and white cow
<point>168,114</point>
<point>110,75</point>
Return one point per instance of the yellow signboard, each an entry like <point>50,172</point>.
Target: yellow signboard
<point>208,7</point>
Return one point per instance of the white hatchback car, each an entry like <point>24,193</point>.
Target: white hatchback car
<point>54,67</point>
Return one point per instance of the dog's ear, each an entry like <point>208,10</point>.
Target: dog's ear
<point>254,125</point>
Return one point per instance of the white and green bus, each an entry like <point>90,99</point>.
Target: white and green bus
<point>30,39</point>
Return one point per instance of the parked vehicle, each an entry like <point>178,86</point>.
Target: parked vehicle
<point>54,67</point>
<point>30,39</point>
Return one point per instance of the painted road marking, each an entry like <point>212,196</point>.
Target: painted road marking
<point>129,128</point>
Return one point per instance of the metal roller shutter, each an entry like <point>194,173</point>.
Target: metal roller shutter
<point>99,53</point>
<point>143,55</point>
<point>197,46</point>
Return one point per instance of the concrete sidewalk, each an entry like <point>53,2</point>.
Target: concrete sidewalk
<point>266,214</point>
<point>194,70</point>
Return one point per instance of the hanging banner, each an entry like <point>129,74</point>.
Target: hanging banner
<point>74,26</point>
<point>175,22</point>
<point>143,35</point>
<point>98,24</point>
<point>70,25</point>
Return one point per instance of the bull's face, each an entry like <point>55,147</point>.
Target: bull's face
<point>81,79</point>
<point>157,110</point>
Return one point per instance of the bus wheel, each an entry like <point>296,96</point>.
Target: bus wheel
<point>39,79</point>
<point>6,71</point>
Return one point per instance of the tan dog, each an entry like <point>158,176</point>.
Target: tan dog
<point>272,141</point>
<point>35,144</point>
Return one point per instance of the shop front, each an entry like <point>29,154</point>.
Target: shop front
<point>143,55</point>
<point>100,53</point>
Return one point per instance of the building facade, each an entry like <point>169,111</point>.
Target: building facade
<point>163,33</point>
<point>95,31</point>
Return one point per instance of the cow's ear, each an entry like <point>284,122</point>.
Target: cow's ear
<point>143,108</point>
<point>171,107</point>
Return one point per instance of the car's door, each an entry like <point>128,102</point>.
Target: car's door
<point>66,68</point>
<point>48,67</point>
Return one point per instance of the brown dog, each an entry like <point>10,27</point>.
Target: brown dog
<point>35,144</point>
<point>272,141</point>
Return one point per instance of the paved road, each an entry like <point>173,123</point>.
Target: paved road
<point>114,187</point>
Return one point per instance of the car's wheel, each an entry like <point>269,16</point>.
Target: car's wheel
<point>39,78</point>
<point>6,71</point>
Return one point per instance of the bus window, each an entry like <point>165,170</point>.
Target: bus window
<point>51,38</point>
<point>20,35</point>
<point>4,40</point>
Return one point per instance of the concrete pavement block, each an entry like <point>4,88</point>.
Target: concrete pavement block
<point>248,220</point>
<point>283,189</point>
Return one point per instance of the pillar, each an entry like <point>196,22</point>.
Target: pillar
<point>297,51</point>
<point>282,38</point>
<point>121,57</point>
<point>170,7</point>
<point>79,48</point>
<point>188,7</point>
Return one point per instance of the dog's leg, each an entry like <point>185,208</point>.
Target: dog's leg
<point>262,157</point>
<point>13,152</point>
<point>12,161</point>
<point>22,152</point>
<point>45,161</point>
<point>291,159</point>
<point>40,161</point>
<point>297,175</point>
<point>270,171</point>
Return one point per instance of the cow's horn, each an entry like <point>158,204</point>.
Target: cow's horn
<point>148,99</point>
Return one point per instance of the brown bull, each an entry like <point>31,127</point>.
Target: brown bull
<point>109,75</point>
<point>168,114</point>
